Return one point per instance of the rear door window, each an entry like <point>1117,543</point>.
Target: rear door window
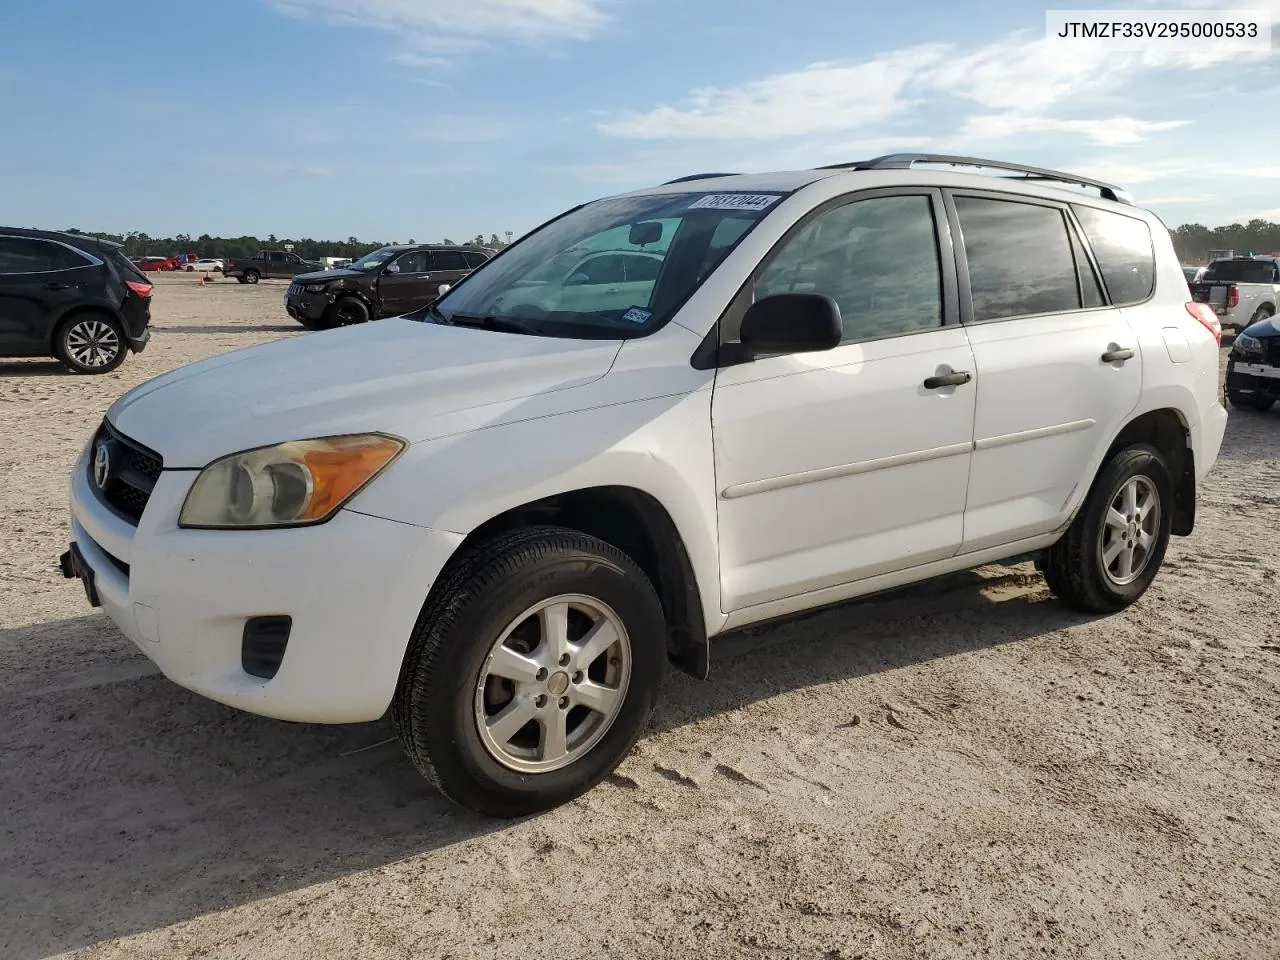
<point>29,255</point>
<point>447,260</point>
<point>1019,257</point>
<point>474,259</point>
<point>1124,251</point>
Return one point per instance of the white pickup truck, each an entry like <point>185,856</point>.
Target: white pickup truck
<point>1241,290</point>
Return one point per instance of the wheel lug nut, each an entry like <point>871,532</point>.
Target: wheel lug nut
<point>577,676</point>
<point>564,660</point>
<point>541,674</point>
<point>564,703</point>
<point>540,701</point>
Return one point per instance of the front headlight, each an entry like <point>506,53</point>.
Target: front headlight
<point>1248,344</point>
<point>315,287</point>
<point>290,484</point>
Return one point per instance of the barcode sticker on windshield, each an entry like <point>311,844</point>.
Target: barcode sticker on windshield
<point>638,315</point>
<point>733,201</point>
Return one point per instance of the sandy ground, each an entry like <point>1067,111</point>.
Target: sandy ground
<point>960,770</point>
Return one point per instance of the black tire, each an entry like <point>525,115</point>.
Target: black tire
<point>241,279</point>
<point>1251,401</point>
<point>251,276</point>
<point>346,312</point>
<point>1074,568</point>
<point>476,599</point>
<point>1262,313</point>
<point>90,343</point>
<point>191,269</point>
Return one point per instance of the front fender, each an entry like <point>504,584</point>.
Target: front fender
<point>661,446</point>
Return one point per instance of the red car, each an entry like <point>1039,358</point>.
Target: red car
<point>153,263</point>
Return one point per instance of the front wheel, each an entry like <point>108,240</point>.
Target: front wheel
<point>346,312</point>
<point>532,671</point>
<point>1113,549</point>
<point>90,343</point>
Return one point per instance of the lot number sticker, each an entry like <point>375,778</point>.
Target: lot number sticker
<point>733,201</point>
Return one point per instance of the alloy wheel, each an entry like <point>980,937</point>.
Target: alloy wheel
<point>92,344</point>
<point>552,684</point>
<point>1130,530</point>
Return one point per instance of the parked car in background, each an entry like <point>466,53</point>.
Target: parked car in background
<point>205,265</point>
<point>385,283</point>
<point>1253,368</point>
<point>1241,291</point>
<point>72,297</point>
<point>1192,273</point>
<point>266,264</point>
<point>148,264</point>
<point>500,525</point>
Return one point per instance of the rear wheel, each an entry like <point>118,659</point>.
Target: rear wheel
<point>1113,549</point>
<point>532,671</point>
<point>241,279</point>
<point>1262,313</point>
<point>346,311</point>
<point>251,276</point>
<point>90,343</point>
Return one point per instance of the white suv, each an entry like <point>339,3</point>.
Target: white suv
<point>502,515</point>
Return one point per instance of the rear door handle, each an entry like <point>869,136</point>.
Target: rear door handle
<point>1117,356</point>
<point>948,380</point>
<point>55,286</point>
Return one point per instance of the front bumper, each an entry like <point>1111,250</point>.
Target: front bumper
<point>353,588</point>
<point>307,306</point>
<point>1253,375</point>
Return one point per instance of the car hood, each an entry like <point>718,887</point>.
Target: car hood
<point>1263,329</point>
<point>321,276</point>
<point>395,376</point>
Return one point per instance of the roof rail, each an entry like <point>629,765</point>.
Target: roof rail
<point>904,161</point>
<point>700,176</point>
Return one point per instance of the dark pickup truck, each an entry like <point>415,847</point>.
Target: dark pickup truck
<point>270,263</point>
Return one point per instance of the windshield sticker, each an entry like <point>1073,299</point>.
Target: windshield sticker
<point>734,201</point>
<point>638,315</point>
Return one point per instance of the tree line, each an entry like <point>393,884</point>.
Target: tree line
<point>141,245</point>
<point>1193,241</point>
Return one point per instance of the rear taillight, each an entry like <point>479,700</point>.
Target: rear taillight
<point>1233,296</point>
<point>1204,313</point>
<point>141,289</point>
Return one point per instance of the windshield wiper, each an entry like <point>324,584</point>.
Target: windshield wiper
<point>490,322</point>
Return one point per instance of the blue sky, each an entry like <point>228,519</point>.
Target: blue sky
<point>392,119</point>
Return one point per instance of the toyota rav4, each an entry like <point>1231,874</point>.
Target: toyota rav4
<point>501,516</point>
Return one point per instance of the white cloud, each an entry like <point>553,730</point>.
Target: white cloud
<point>1110,132</point>
<point>818,98</point>
<point>457,26</point>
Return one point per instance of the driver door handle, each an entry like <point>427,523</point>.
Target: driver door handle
<point>55,286</point>
<point>948,380</point>
<point>1117,356</point>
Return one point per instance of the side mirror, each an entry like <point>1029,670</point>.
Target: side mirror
<point>792,323</point>
<point>642,234</point>
<point>442,289</point>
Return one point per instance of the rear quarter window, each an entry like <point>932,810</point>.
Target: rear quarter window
<point>1123,249</point>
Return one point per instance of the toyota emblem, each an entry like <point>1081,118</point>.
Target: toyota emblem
<point>101,466</point>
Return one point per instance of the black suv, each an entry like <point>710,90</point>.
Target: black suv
<point>75,298</point>
<point>386,283</point>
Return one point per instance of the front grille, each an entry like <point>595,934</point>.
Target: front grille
<point>130,474</point>
<point>1273,350</point>
<point>295,289</point>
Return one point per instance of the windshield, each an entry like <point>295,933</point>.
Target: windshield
<point>1242,271</point>
<point>612,269</point>
<point>372,261</point>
